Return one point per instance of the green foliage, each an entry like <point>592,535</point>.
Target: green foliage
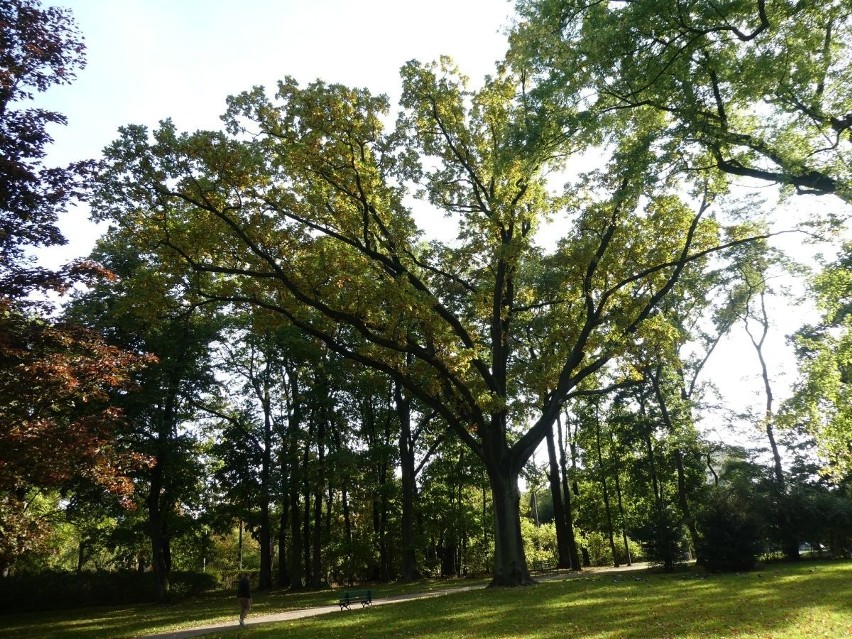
<point>822,399</point>
<point>301,208</point>
<point>660,532</point>
<point>757,89</point>
<point>813,514</point>
<point>295,221</point>
<point>223,553</point>
<point>600,552</point>
<point>457,519</point>
<point>539,542</point>
<point>732,532</point>
<point>59,589</point>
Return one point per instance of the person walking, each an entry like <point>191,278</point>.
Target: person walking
<point>244,597</point>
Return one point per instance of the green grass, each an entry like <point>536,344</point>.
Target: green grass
<point>802,601</point>
<point>136,620</point>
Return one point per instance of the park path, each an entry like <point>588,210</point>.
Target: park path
<point>288,615</point>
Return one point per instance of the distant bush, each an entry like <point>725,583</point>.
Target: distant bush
<point>600,552</point>
<point>731,534</point>
<point>539,542</point>
<point>597,547</point>
<point>55,589</point>
<point>661,535</point>
<point>228,579</point>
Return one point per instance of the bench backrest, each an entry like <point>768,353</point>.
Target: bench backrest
<point>357,595</point>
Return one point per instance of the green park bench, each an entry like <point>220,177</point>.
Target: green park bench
<point>363,597</point>
<point>543,567</point>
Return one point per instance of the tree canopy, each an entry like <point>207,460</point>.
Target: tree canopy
<point>758,88</point>
<point>300,208</point>
<point>57,425</point>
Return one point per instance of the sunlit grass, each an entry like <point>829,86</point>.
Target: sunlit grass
<point>801,601</point>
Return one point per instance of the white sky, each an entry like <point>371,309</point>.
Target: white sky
<point>153,59</point>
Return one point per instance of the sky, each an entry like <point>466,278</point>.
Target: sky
<point>154,59</point>
<point>148,60</point>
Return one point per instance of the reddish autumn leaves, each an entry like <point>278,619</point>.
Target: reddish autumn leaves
<point>57,422</point>
<point>57,425</point>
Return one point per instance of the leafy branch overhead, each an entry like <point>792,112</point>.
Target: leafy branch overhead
<point>755,89</point>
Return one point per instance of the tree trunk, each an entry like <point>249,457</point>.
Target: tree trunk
<point>296,572</point>
<point>265,576</point>
<point>562,545</point>
<point>306,515</point>
<point>283,573</point>
<point>383,435</point>
<point>329,511</point>
<point>316,572</point>
<point>240,546</point>
<point>290,471</point>
<point>712,471</point>
<point>316,567</point>
<point>262,388</point>
<point>381,525</point>
<point>602,475</point>
<point>406,462</point>
<point>81,556</point>
<point>160,557</point>
<point>587,561</point>
<point>620,504</point>
<point>768,417</point>
<point>347,518</point>
<point>569,512</point>
<point>621,514</point>
<point>652,467</point>
<point>510,564</point>
<point>683,502</point>
<point>789,540</point>
<point>485,526</point>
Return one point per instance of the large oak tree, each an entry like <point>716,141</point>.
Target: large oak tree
<point>303,207</point>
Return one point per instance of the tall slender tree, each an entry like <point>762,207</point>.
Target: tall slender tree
<point>148,309</point>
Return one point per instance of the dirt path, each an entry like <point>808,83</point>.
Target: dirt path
<point>288,615</point>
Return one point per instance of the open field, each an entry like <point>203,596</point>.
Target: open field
<point>801,601</point>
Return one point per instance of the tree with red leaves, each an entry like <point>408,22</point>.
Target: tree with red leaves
<point>57,425</point>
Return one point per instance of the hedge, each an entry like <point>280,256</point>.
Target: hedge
<point>56,589</point>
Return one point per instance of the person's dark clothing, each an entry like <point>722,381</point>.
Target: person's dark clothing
<point>243,588</point>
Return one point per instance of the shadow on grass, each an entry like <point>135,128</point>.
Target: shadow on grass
<point>142,619</point>
<point>781,601</point>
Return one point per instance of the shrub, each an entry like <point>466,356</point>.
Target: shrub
<point>539,542</point>
<point>597,545</point>
<point>57,589</point>
<point>661,535</point>
<point>731,534</point>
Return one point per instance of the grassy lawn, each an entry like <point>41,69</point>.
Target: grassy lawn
<point>143,619</point>
<point>803,601</point>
